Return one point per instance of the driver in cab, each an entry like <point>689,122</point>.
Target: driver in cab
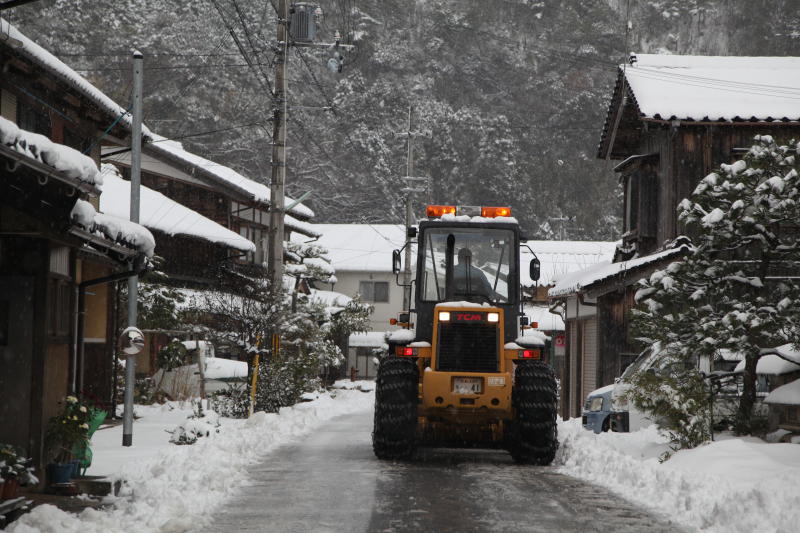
<point>470,280</point>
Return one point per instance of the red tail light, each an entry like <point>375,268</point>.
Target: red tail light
<point>531,354</point>
<point>405,351</point>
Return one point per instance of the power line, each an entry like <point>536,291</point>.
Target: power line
<point>172,67</point>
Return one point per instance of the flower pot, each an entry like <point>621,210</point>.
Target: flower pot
<point>76,468</point>
<point>59,473</point>
<point>10,489</point>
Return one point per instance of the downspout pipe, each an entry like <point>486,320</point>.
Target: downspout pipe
<point>78,352</point>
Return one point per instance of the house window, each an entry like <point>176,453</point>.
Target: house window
<point>374,291</point>
<point>631,204</point>
<point>33,120</point>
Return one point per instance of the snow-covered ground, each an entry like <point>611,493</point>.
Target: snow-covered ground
<point>173,488</point>
<point>730,485</point>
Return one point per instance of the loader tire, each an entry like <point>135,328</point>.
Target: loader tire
<point>532,438</point>
<point>396,391</point>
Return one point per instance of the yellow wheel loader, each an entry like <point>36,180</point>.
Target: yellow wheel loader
<point>462,376</point>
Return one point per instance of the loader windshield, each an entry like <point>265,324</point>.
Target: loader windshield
<point>481,260</point>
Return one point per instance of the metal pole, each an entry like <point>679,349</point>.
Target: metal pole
<point>276,186</point>
<point>133,281</point>
<point>407,270</point>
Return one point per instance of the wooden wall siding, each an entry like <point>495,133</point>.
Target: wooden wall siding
<point>573,369</point>
<point>615,348</point>
<point>205,201</point>
<point>189,258</point>
<point>589,357</point>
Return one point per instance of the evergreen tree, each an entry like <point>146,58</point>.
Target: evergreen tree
<point>735,288</point>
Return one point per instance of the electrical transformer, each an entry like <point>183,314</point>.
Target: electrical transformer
<point>303,21</point>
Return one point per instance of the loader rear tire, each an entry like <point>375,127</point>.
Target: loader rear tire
<point>396,391</point>
<point>532,438</point>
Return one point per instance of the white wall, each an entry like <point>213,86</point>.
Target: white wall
<point>348,284</point>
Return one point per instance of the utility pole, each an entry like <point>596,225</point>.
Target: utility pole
<point>278,179</point>
<point>303,37</point>
<point>409,190</point>
<point>133,281</point>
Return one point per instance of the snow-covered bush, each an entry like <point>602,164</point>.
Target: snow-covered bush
<point>734,289</point>
<point>231,402</point>
<point>201,424</point>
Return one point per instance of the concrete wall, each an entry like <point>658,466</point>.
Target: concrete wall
<point>348,284</point>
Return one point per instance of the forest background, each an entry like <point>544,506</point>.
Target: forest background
<point>513,93</point>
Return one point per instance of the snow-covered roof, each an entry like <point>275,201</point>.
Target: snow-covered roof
<point>370,339</point>
<point>772,365</point>
<point>546,321</point>
<point>38,55</point>
<point>368,248</point>
<point>225,175</point>
<point>788,394</point>
<point>158,212</point>
<point>113,228</point>
<point>716,88</point>
<point>786,351</point>
<point>219,368</point>
<point>361,247</point>
<point>70,162</point>
<point>561,257</point>
<point>306,228</point>
<point>576,281</point>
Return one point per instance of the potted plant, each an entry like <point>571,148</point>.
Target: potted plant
<point>82,453</point>
<point>15,470</point>
<point>66,432</point>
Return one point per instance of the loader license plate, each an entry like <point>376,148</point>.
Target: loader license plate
<point>467,385</point>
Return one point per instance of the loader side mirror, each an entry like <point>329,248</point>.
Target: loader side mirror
<point>396,261</point>
<point>535,269</point>
<point>404,317</point>
<point>524,320</point>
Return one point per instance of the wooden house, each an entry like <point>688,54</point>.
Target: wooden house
<point>220,194</point>
<point>54,244</point>
<point>671,121</point>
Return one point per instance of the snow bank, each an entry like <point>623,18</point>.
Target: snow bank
<point>64,159</point>
<point>734,485</point>
<point>178,488</point>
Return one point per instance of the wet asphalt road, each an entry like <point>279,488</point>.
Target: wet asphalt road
<point>331,482</point>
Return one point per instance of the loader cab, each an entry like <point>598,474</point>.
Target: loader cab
<point>467,261</point>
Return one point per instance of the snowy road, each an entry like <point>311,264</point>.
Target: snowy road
<point>331,482</point>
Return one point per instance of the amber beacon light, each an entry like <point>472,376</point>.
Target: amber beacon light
<point>492,212</point>
<point>436,211</point>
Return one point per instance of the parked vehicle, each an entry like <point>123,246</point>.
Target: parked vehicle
<point>624,416</point>
<point>597,410</point>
